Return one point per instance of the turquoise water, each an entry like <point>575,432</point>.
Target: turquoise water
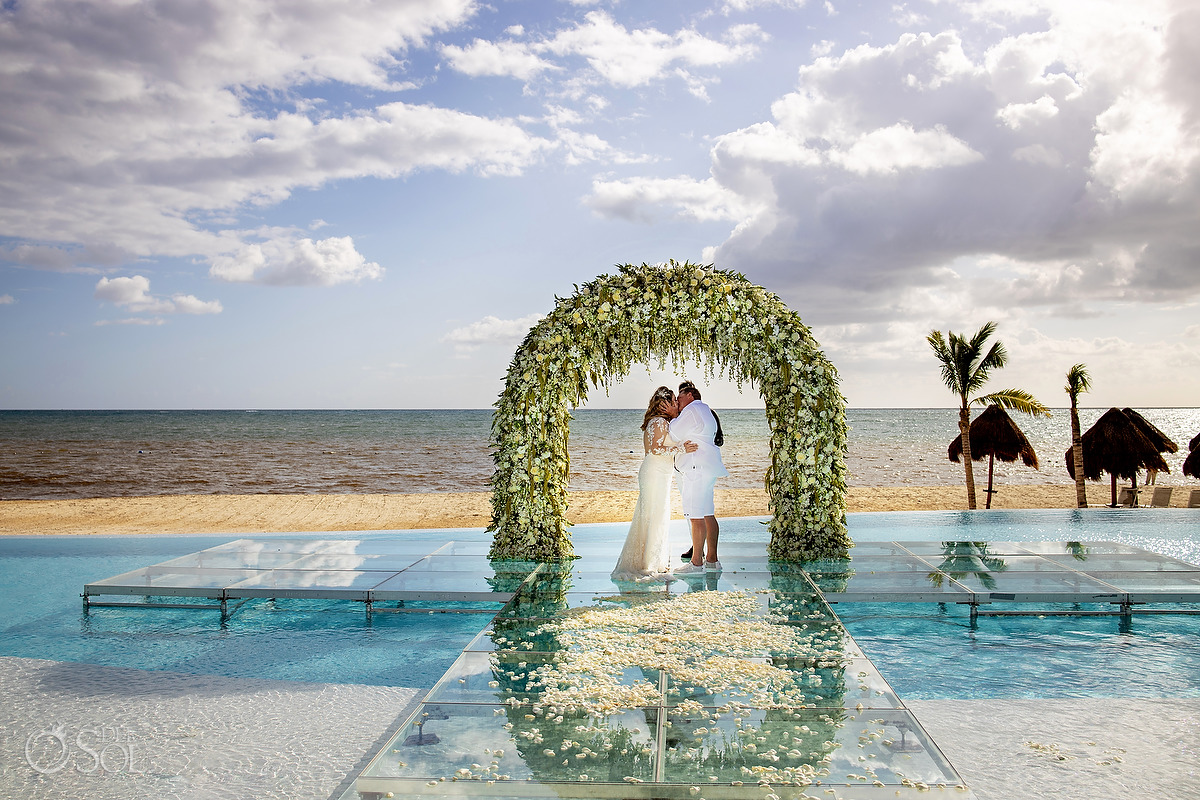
<point>924,651</point>
<point>42,617</point>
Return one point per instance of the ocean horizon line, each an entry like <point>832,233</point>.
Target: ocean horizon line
<point>252,410</point>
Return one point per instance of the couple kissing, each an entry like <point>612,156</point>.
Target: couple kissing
<point>681,436</point>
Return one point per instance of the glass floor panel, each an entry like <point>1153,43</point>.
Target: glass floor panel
<point>349,584</point>
<point>1082,548</point>
<point>911,587</point>
<point>453,562</point>
<point>827,747</point>
<point>471,744</point>
<point>1039,586</point>
<point>828,682</point>
<point>158,580</point>
<point>414,585</point>
<point>375,562</point>
<point>1121,562</point>
<point>484,750</point>
<point>232,559</point>
<point>1144,583</point>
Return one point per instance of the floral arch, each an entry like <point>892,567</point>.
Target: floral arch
<point>672,312</point>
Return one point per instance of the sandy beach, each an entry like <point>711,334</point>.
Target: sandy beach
<point>282,513</point>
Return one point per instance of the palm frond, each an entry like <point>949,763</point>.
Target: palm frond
<point>1016,400</point>
<point>946,358</point>
<point>1078,382</point>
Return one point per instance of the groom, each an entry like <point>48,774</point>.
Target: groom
<point>699,467</point>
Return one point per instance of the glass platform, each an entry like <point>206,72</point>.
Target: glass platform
<point>711,686</point>
<point>366,570</point>
<point>382,570</point>
<point>678,690</point>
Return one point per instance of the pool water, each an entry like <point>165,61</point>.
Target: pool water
<point>924,651</point>
<point>332,642</point>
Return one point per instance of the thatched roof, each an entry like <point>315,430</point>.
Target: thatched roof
<point>1192,465</point>
<point>1117,446</point>
<point>1157,437</point>
<point>1195,442</point>
<point>993,433</point>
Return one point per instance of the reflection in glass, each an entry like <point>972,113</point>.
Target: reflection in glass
<point>963,559</point>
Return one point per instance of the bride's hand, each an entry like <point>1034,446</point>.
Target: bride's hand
<point>690,446</point>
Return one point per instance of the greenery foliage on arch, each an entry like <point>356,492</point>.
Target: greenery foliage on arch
<point>659,314</point>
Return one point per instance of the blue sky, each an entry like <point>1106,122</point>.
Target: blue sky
<point>234,203</point>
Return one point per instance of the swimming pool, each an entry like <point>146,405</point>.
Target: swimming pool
<point>924,652</point>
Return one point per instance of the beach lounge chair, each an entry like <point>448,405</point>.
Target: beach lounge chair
<point>1161,498</point>
<point>1127,498</point>
<point>1194,500</point>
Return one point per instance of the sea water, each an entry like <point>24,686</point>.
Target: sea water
<point>75,454</point>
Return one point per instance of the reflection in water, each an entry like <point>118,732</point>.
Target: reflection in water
<point>744,685</point>
<point>963,559</point>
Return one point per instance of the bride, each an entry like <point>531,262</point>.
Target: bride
<point>644,557</point>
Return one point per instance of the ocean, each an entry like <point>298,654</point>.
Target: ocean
<point>80,454</point>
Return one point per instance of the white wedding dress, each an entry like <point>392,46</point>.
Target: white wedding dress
<point>645,556</point>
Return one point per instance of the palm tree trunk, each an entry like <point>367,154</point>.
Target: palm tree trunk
<point>1114,491</point>
<point>964,427</point>
<point>990,490</point>
<point>1077,457</point>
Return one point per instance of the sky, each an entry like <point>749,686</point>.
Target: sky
<point>354,204</point>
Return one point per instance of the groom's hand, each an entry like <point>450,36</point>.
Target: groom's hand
<point>690,446</point>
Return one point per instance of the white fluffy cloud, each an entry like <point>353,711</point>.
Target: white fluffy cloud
<point>133,295</point>
<point>616,55</point>
<point>134,129</point>
<point>302,262</point>
<point>507,58</point>
<point>1067,153</point>
<point>490,330</point>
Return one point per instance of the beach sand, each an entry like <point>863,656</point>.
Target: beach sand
<point>283,513</point>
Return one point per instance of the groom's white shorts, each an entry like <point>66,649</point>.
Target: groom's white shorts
<point>696,497</point>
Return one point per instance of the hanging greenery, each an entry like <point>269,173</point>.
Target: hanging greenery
<point>660,314</point>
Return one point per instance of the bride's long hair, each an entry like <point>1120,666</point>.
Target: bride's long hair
<point>660,405</point>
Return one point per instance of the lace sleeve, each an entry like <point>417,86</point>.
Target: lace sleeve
<point>657,440</point>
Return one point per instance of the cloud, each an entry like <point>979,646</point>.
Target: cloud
<point>302,262</point>
<point>133,294</point>
<point>1051,169</point>
<point>131,321</point>
<point>899,147</point>
<point>135,130</point>
<point>628,58</point>
<point>640,199</point>
<point>507,58</point>
<point>490,330</point>
<point>6,300</point>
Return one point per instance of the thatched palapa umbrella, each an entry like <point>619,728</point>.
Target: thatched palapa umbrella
<point>1191,466</point>
<point>1162,443</point>
<point>995,435</point>
<point>1160,440</point>
<point>1117,446</point>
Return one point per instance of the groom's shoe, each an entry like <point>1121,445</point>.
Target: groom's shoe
<point>712,566</point>
<point>687,556</point>
<point>689,569</point>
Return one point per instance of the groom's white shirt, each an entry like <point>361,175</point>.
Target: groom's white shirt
<point>696,423</point>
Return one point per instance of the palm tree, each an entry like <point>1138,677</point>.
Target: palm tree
<point>1078,381</point>
<point>965,369</point>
